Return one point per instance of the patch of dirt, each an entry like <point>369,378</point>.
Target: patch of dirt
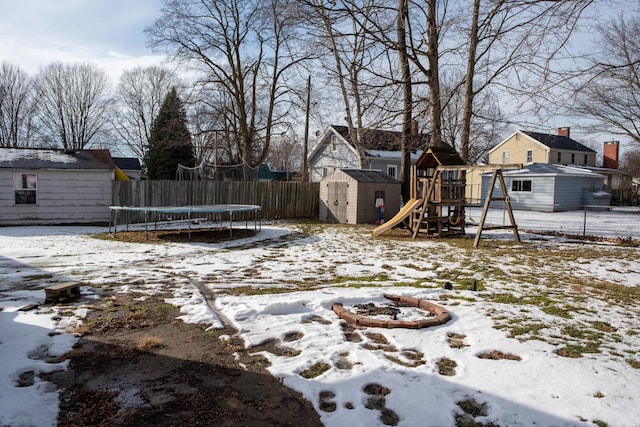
<point>136,365</point>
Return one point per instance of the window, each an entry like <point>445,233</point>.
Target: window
<point>586,159</point>
<point>24,186</point>
<point>521,185</point>
<point>334,142</point>
<point>573,158</point>
<point>325,172</point>
<point>559,157</point>
<point>392,170</point>
<point>529,156</point>
<point>505,157</point>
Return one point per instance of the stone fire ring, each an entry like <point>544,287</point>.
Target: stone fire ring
<point>440,315</point>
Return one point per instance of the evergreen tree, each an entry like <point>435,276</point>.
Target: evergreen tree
<point>170,141</point>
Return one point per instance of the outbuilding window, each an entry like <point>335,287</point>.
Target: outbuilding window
<point>24,187</point>
<point>521,185</point>
<point>392,170</point>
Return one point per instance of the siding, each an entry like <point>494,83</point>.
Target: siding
<point>341,157</point>
<point>541,197</point>
<point>63,197</point>
<point>517,146</point>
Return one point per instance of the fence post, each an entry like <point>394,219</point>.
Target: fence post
<point>584,222</point>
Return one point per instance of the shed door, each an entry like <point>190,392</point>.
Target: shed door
<point>337,203</point>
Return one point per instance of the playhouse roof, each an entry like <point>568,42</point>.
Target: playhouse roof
<point>444,155</point>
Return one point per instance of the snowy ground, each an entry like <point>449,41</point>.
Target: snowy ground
<point>541,300</point>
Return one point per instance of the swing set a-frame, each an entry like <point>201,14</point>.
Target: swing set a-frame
<point>437,201</point>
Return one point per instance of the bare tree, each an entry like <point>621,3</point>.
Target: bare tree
<point>73,104</point>
<point>247,47</point>
<point>631,161</point>
<point>512,44</point>
<point>17,107</point>
<point>139,96</point>
<point>611,95</point>
<point>357,65</point>
<point>285,154</point>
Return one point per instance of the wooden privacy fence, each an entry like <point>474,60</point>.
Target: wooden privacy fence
<point>278,199</point>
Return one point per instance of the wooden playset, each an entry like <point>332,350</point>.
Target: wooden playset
<point>437,201</point>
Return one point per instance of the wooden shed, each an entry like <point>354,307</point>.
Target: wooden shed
<point>353,196</point>
<point>55,186</point>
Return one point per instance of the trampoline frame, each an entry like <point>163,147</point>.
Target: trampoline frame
<point>229,209</point>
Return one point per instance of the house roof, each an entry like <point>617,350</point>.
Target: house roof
<point>384,140</point>
<point>127,163</point>
<point>28,158</point>
<point>367,175</point>
<point>415,155</point>
<point>558,142</point>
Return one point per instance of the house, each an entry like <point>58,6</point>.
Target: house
<point>550,188</point>
<point>533,147</point>
<point>55,186</point>
<point>130,166</point>
<point>380,151</point>
<point>358,196</point>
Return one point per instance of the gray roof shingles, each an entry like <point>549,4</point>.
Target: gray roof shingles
<point>25,158</point>
<point>558,142</point>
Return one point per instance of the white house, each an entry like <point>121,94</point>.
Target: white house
<point>55,186</point>
<point>380,151</point>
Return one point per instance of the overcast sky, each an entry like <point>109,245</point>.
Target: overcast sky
<point>107,33</point>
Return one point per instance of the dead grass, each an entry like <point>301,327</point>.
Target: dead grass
<point>498,355</point>
<point>446,366</point>
<point>149,342</point>
<point>317,369</point>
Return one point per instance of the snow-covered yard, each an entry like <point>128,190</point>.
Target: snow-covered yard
<point>567,310</point>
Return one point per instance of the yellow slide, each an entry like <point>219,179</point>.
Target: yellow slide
<point>404,212</point>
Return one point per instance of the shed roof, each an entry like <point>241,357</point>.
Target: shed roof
<point>558,142</point>
<point>29,158</point>
<point>368,175</point>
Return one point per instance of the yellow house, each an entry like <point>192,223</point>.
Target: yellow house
<point>534,147</point>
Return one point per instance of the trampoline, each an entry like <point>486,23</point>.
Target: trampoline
<point>189,211</point>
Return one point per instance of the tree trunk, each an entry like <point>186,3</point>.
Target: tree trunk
<point>435,105</point>
<point>469,95</point>
<point>405,160</point>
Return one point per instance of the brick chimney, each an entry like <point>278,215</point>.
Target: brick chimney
<point>610,155</point>
<point>564,132</point>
